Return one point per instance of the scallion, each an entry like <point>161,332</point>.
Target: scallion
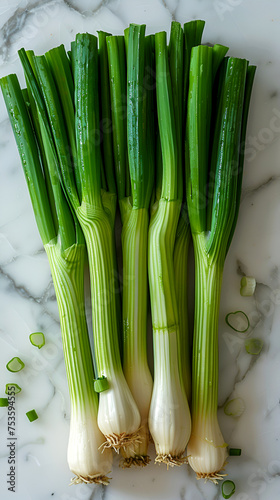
<point>85,189</point>
<point>219,91</point>
<point>65,247</point>
<point>169,417</point>
<point>135,217</point>
<point>179,70</point>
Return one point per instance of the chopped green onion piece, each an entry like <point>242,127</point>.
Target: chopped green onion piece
<point>254,346</point>
<point>101,384</point>
<point>228,488</point>
<point>238,321</point>
<point>247,286</point>
<point>31,415</point>
<point>15,365</point>
<point>4,402</point>
<point>234,407</point>
<point>37,339</point>
<point>234,452</point>
<point>12,389</point>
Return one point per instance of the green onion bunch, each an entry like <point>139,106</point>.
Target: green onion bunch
<point>148,131</point>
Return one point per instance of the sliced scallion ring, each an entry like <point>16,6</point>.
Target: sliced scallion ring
<point>101,384</point>
<point>235,407</point>
<point>234,452</point>
<point>12,388</point>
<point>15,365</point>
<point>247,286</point>
<point>254,346</point>
<point>37,339</point>
<point>31,415</point>
<point>4,402</point>
<point>228,488</point>
<point>238,321</point>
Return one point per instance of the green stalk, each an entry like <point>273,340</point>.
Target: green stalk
<point>108,153</point>
<point>135,235</point>
<point>181,251</point>
<point>212,206</point>
<point>118,416</point>
<point>117,73</point>
<point>67,267</point>
<point>169,418</point>
<point>178,72</point>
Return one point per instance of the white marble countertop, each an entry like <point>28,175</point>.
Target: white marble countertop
<point>27,303</point>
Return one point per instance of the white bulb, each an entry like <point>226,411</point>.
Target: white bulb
<point>85,456</point>
<point>207,451</point>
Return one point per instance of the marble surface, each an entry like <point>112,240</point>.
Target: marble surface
<point>27,303</point>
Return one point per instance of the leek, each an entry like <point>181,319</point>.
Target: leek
<point>169,417</point>
<point>64,244</point>
<point>213,195</point>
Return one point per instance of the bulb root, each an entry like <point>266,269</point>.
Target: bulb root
<point>212,476</point>
<point>97,479</point>
<point>121,441</point>
<point>170,460</point>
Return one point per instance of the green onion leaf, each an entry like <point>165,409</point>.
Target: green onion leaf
<point>12,388</point>
<point>238,321</point>
<point>31,415</point>
<point>228,489</point>
<point>4,402</point>
<point>247,286</point>
<point>254,346</point>
<point>117,74</point>
<point>37,339</point>
<point>234,407</point>
<point>15,365</point>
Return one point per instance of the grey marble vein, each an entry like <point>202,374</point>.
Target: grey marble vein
<point>255,189</point>
<point>77,7</point>
<point>171,12</point>
<point>98,493</point>
<point>22,290</point>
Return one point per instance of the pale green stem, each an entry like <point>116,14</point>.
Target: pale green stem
<point>98,231</point>
<point>135,283</point>
<point>67,273</point>
<point>181,252</point>
<point>209,274</point>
